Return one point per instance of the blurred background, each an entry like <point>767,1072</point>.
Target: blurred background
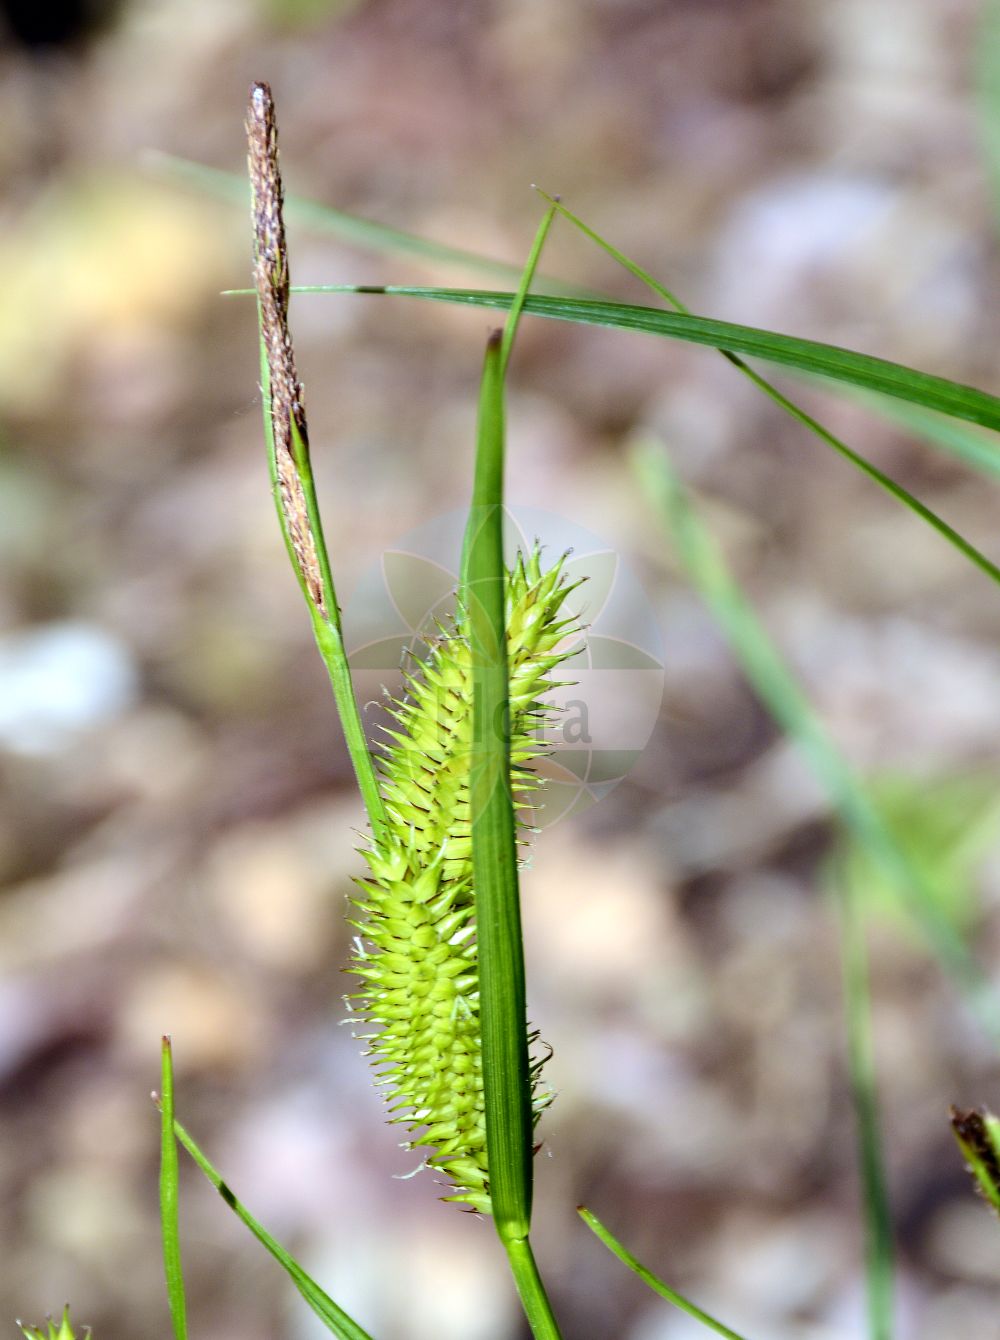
<point>178,821</point>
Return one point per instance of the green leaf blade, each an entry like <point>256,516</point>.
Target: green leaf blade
<point>811,356</point>
<point>778,688</point>
<point>988,72</point>
<point>507,1082</point>
<point>969,445</point>
<point>495,877</point>
<point>169,1197</point>
<point>336,1320</point>
<point>325,220</point>
<point>879,1244</point>
<point>653,1281</point>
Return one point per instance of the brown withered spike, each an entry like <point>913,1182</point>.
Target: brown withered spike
<point>272,283</point>
<point>971,1129</point>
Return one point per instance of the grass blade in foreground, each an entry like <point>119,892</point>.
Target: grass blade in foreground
<point>494,852</point>
<point>319,218</point>
<point>860,462</point>
<point>776,685</point>
<point>570,309</point>
<point>812,356</point>
<point>647,1277</point>
<point>335,1319</point>
<point>967,444</point>
<point>502,1006</point>
<point>879,1253</point>
<point>989,92</point>
<point>288,439</point>
<point>169,1180</point>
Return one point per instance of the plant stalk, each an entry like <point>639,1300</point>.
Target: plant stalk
<point>530,1288</point>
<point>287,439</point>
<point>879,1264</point>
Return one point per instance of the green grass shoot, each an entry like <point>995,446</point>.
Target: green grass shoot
<point>325,220</point>
<point>654,1282</point>
<point>855,458</point>
<point>169,1197</point>
<point>988,81</point>
<point>502,1007</point>
<point>334,1318</point>
<point>966,443</point>
<point>774,682</point>
<point>809,356</point>
<point>879,1247</point>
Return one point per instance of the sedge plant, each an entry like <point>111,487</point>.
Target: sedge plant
<point>440,953</point>
<point>440,1000</point>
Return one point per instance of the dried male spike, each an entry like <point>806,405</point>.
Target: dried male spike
<point>417,959</point>
<point>288,419</point>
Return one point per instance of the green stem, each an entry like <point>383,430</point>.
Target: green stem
<point>326,626</point>
<point>654,1281</point>
<point>878,476</point>
<point>169,1196</point>
<point>530,1288</point>
<point>767,671</point>
<point>879,1265</point>
<point>335,1319</point>
<point>330,641</point>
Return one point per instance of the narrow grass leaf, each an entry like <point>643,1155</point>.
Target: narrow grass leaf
<point>967,444</point>
<point>895,490</point>
<point>494,850</point>
<point>169,1197</point>
<point>811,356</point>
<point>287,440</point>
<point>523,288</point>
<point>654,1282</point>
<point>856,369</point>
<point>879,1250</point>
<point>502,1006</point>
<point>335,1319</point>
<point>778,688</point>
<point>879,1256</point>
<point>928,415</point>
<point>988,72</point>
<point>345,227</point>
<point>506,1070</point>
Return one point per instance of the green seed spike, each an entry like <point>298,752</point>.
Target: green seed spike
<point>417,955</point>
